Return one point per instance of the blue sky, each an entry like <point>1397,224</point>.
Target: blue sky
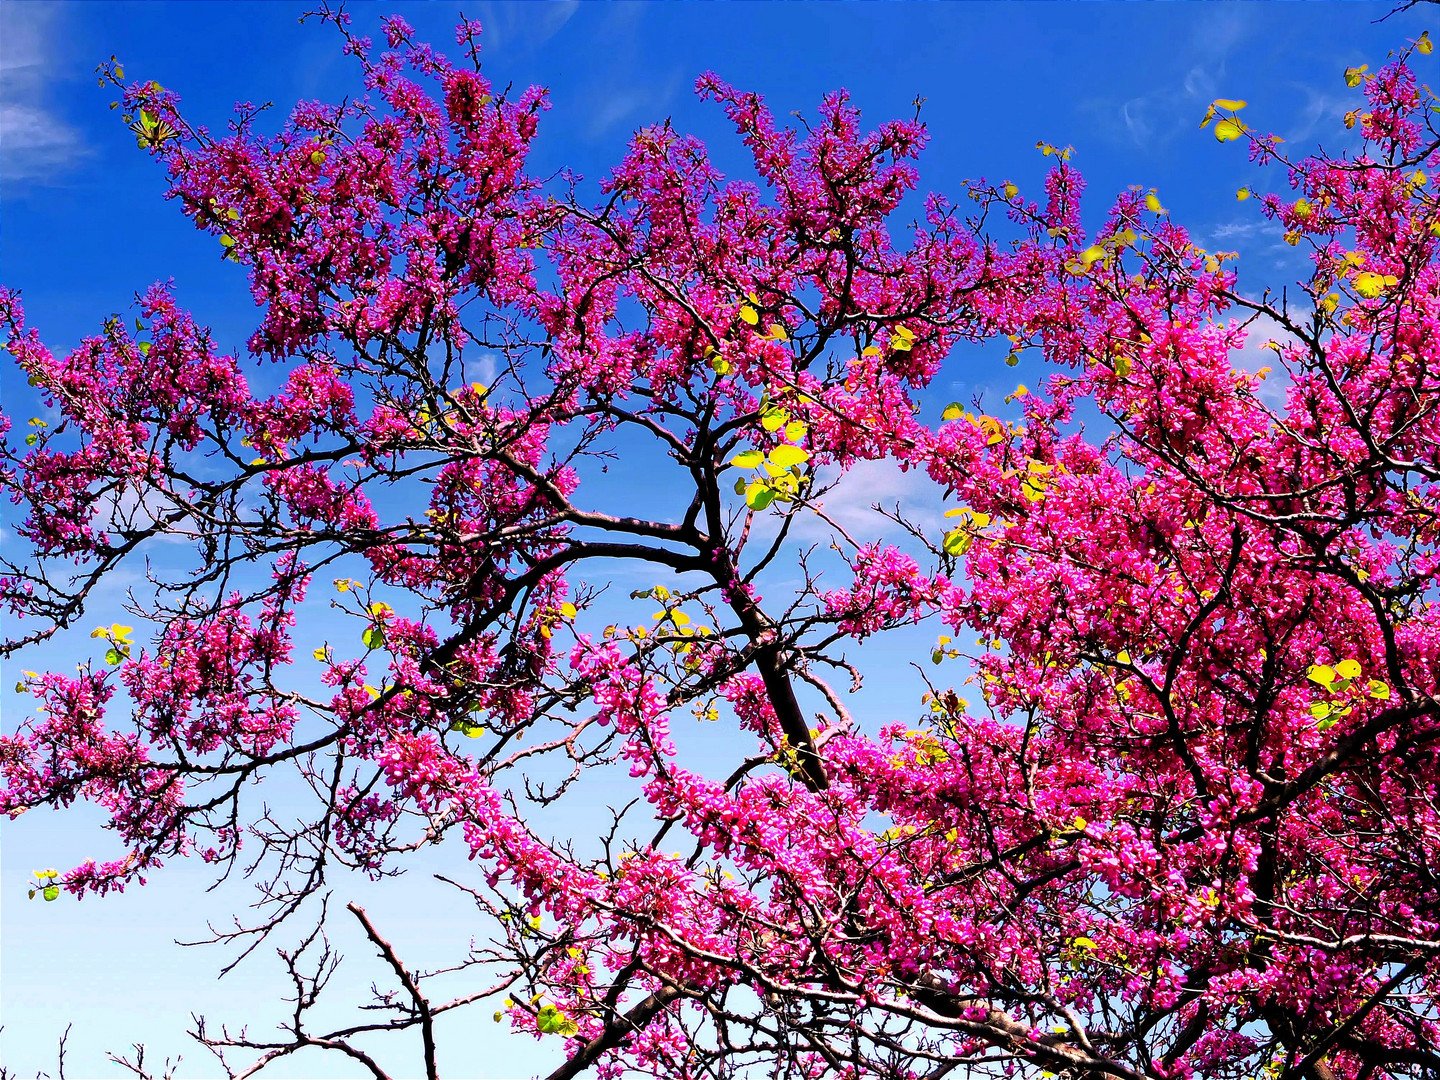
<point>84,227</point>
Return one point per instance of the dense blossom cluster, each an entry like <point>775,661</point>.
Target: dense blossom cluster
<point>1188,827</point>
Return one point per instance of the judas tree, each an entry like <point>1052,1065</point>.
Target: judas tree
<point>1187,823</point>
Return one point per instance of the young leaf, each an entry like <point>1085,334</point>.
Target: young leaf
<point>786,455</point>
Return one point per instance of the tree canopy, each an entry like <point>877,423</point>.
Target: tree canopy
<point>1182,821</point>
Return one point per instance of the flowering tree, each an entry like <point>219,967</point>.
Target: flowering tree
<point>1190,830</point>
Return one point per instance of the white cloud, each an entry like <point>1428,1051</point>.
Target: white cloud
<point>523,28</point>
<point>1159,115</point>
<point>36,144</point>
<point>1257,353</point>
<point>851,505</point>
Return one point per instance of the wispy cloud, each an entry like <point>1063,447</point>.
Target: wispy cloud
<point>36,144</point>
<point>1258,352</point>
<point>522,28</point>
<point>851,505</point>
<point>1322,111</point>
<point>1154,118</point>
<point>638,105</point>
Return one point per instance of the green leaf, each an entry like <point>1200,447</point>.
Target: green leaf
<point>374,637</point>
<point>1229,130</point>
<point>787,456</point>
<point>774,419</point>
<point>957,542</point>
<point>758,496</point>
<point>52,892</point>
<point>113,656</point>
<point>466,728</point>
<point>31,439</point>
<point>551,1021</point>
<point>953,411</point>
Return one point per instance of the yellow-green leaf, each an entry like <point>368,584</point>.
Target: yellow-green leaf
<point>787,455</point>
<point>1229,130</point>
<point>1368,285</point>
<point>758,496</point>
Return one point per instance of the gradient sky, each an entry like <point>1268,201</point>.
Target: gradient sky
<point>84,227</point>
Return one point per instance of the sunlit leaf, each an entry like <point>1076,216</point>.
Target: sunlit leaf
<point>1229,130</point>
<point>787,455</point>
<point>758,496</point>
<point>957,542</point>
